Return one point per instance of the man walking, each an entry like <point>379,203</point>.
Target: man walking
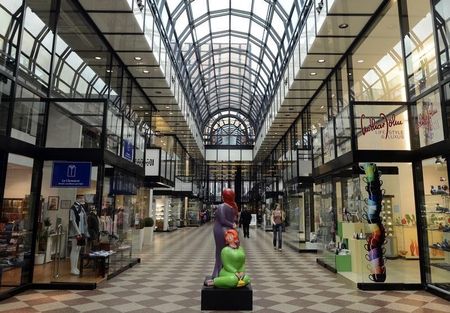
<point>245,220</point>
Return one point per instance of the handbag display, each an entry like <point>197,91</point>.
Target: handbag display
<point>81,240</point>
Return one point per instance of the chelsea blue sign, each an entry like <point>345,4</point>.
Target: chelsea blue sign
<point>71,174</point>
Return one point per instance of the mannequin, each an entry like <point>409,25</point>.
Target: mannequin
<point>78,226</point>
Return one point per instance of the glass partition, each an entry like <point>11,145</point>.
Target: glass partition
<point>435,205</point>
<point>419,48</point>
<point>75,124</point>
<point>28,116</point>
<point>442,24</point>
<point>11,15</point>
<point>114,120</point>
<point>343,131</point>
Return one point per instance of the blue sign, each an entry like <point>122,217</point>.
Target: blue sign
<point>128,150</point>
<point>71,174</point>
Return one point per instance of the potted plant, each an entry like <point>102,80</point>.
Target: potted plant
<point>40,256</point>
<point>146,232</point>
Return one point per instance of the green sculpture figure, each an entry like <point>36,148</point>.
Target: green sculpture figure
<point>232,274</point>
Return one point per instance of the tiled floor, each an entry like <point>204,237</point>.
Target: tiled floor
<point>170,277</point>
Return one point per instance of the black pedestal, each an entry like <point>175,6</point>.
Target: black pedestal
<point>236,299</point>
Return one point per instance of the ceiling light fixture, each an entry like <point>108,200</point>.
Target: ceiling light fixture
<point>322,107</point>
<point>146,113</point>
<point>170,113</point>
<point>343,25</point>
<point>320,61</point>
<point>109,71</point>
<point>360,61</point>
<point>146,71</point>
<point>138,58</point>
<point>141,107</point>
<point>98,58</point>
<point>312,74</point>
<point>167,107</point>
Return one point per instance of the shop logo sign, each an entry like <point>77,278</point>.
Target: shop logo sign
<point>382,126</point>
<point>71,174</point>
<point>425,118</point>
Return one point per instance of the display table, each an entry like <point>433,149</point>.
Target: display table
<point>100,262</point>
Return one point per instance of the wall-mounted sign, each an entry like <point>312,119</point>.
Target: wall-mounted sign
<point>385,125</point>
<point>429,121</point>
<point>152,162</point>
<point>128,150</point>
<point>71,174</point>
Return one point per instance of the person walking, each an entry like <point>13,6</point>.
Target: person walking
<point>245,220</point>
<point>277,219</point>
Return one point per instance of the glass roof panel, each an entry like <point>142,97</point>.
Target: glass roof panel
<point>232,61</point>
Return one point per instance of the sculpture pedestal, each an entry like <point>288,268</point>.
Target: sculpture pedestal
<point>236,299</point>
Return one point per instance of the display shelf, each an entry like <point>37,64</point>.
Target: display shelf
<point>440,248</point>
<point>444,266</point>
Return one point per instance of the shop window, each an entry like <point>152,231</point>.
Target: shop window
<point>75,125</point>
<point>325,223</point>
<point>436,218</point>
<point>381,127</point>
<point>16,224</point>
<point>382,238</point>
<point>428,120</point>
<point>343,131</point>
<point>442,24</point>
<point>378,72</point>
<point>419,48</point>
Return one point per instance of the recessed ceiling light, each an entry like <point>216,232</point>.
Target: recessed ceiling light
<point>98,58</point>
<point>141,107</point>
<point>170,113</point>
<point>109,71</point>
<point>167,107</point>
<point>312,74</point>
<point>138,58</point>
<point>320,61</point>
<point>322,107</point>
<point>349,74</point>
<point>146,113</point>
<point>343,25</point>
<point>360,61</point>
<point>146,71</point>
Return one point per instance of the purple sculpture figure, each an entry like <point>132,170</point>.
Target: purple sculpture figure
<point>226,215</point>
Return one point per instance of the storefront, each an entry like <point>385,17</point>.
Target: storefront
<point>385,109</point>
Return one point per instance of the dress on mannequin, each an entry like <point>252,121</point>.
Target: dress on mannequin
<point>77,227</point>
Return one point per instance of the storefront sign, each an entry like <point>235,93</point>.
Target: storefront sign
<point>382,126</point>
<point>425,118</point>
<point>128,150</point>
<point>71,174</point>
<point>152,162</point>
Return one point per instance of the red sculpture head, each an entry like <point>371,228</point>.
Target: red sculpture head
<point>228,198</point>
<point>232,238</point>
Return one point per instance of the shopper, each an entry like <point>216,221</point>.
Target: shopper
<point>277,219</point>
<point>245,220</point>
<point>226,215</point>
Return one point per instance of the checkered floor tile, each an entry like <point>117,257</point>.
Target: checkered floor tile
<point>171,274</point>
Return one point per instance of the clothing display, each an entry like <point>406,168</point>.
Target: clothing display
<point>78,227</point>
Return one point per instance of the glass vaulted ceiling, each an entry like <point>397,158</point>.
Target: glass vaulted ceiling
<point>230,53</point>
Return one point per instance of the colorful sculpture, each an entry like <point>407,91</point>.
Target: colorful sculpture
<point>225,218</point>
<point>232,274</point>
